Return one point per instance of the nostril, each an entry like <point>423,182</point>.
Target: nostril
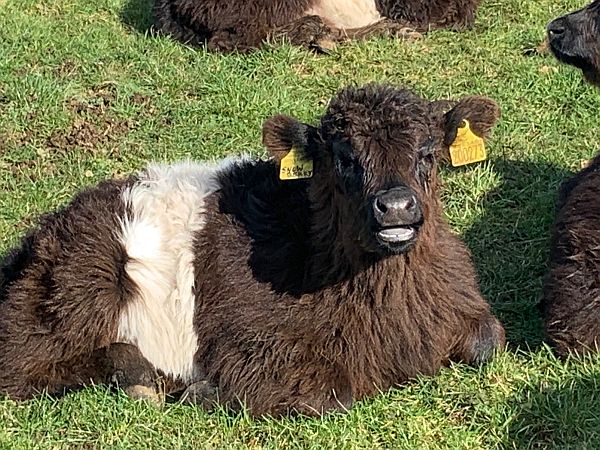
<point>380,206</point>
<point>555,29</point>
<point>410,204</point>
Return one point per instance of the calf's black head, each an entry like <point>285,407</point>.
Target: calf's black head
<point>575,39</point>
<point>375,155</point>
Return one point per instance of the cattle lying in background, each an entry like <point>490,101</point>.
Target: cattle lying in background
<point>572,286</point>
<point>239,283</point>
<point>575,39</point>
<point>247,24</point>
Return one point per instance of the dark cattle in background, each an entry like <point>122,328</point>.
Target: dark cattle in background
<point>572,286</point>
<point>245,24</point>
<point>575,39</point>
<point>297,295</point>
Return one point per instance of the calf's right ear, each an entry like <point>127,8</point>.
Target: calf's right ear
<point>282,133</point>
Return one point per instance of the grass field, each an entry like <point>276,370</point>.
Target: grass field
<point>86,92</point>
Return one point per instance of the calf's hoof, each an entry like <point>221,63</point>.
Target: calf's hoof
<point>325,46</point>
<point>201,393</point>
<point>139,392</point>
<point>407,34</point>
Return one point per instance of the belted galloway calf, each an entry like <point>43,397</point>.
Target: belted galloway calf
<point>246,24</point>
<point>575,39</point>
<point>297,284</point>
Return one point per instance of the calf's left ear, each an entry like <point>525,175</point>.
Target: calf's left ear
<point>282,133</point>
<point>482,114</point>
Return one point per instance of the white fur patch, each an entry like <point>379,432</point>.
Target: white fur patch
<point>346,14</point>
<point>166,208</point>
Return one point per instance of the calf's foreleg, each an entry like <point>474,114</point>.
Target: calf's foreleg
<point>479,340</point>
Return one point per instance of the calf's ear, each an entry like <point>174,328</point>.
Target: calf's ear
<point>482,114</point>
<point>282,133</point>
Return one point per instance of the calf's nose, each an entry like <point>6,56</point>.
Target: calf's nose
<point>556,28</point>
<point>396,206</point>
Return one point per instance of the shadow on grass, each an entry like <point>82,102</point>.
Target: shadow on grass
<point>138,15</point>
<point>510,244</point>
<point>558,415</point>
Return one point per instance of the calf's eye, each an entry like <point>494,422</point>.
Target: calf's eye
<point>343,157</point>
<point>425,162</point>
<point>344,163</point>
<point>348,169</point>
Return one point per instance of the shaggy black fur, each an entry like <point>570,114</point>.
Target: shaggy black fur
<point>572,287</point>
<point>269,210</point>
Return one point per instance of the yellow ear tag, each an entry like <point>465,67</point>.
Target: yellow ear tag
<point>295,165</point>
<point>467,148</point>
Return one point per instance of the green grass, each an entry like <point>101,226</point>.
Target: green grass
<point>86,92</point>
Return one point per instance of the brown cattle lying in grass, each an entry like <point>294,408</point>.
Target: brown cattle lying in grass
<point>247,24</point>
<point>575,39</point>
<point>572,286</point>
<point>286,295</point>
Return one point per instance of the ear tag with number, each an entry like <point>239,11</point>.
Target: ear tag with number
<point>467,148</point>
<point>295,165</point>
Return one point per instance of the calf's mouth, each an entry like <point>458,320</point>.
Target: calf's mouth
<point>398,234</point>
<point>398,238</point>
